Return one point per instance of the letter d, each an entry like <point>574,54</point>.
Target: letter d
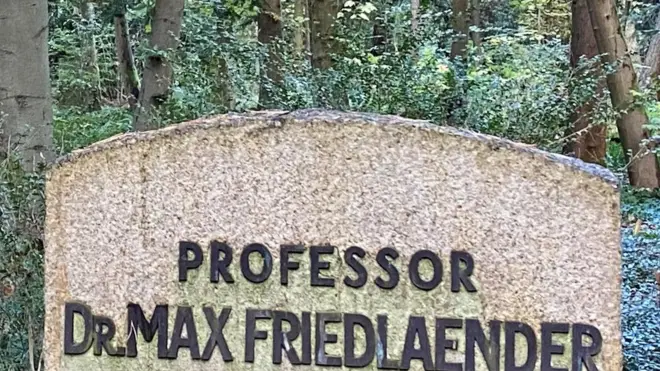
<point>70,345</point>
<point>510,331</point>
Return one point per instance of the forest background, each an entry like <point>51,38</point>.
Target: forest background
<point>533,71</point>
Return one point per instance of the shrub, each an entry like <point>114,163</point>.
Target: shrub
<point>21,266</point>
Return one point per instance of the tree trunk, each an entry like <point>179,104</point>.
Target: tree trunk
<point>652,60</point>
<point>588,141</point>
<point>224,94</point>
<point>642,165</point>
<point>300,28</point>
<point>460,26</point>
<point>270,31</point>
<point>414,16</point>
<point>475,15</point>
<point>308,32</point>
<point>379,36</point>
<point>129,81</point>
<point>25,105</point>
<point>322,44</point>
<point>157,75</point>
<point>89,56</point>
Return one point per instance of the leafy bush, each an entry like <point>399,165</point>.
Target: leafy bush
<point>75,128</point>
<point>21,266</point>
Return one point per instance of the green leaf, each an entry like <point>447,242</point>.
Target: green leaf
<point>368,8</point>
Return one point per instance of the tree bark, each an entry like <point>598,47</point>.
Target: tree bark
<point>588,141</point>
<point>157,75</point>
<point>270,31</point>
<point>652,59</point>
<point>414,14</point>
<point>90,56</point>
<point>300,26</point>
<point>308,32</point>
<point>461,29</point>
<point>642,165</point>
<point>224,93</point>
<point>475,21</point>
<point>322,44</point>
<point>378,36</point>
<point>25,104</point>
<point>129,81</point>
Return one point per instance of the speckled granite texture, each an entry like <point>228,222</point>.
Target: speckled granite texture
<point>543,229</point>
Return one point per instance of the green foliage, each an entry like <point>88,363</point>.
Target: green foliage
<point>73,84</point>
<point>74,128</point>
<point>21,266</point>
<point>547,17</point>
<point>520,89</point>
<point>517,88</point>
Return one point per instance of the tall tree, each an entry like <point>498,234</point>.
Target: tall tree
<point>157,75</point>
<point>588,140</point>
<point>461,29</point>
<point>475,22</point>
<point>224,95</point>
<point>300,27</point>
<point>90,55</point>
<point>129,80</point>
<point>270,31</point>
<point>642,164</point>
<point>378,36</point>
<point>414,14</point>
<point>25,105</point>
<point>322,44</point>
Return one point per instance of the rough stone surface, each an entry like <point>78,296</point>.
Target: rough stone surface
<point>543,229</point>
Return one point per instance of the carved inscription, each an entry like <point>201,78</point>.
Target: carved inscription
<point>514,343</point>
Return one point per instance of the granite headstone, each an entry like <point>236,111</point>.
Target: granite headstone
<point>316,240</point>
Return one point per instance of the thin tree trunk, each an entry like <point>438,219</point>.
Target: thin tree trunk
<point>652,60</point>
<point>322,44</point>
<point>224,95</point>
<point>414,16</point>
<point>642,165</point>
<point>588,141</point>
<point>129,81</point>
<point>308,32</point>
<point>25,104</point>
<point>475,22</point>
<point>90,56</point>
<point>460,26</point>
<point>157,75</point>
<point>270,31</point>
<point>299,30</point>
<point>379,36</point>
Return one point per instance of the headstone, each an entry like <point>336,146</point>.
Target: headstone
<point>320,240</point>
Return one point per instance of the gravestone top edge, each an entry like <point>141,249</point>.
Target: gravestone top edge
<point>275,118</point>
